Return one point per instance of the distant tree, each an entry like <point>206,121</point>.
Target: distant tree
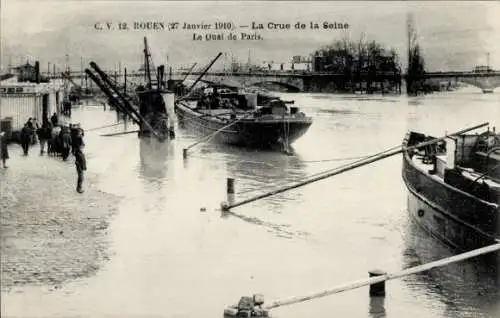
<point>416,71</point>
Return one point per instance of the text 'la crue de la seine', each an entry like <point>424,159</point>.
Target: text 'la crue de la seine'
<point>217,31</point>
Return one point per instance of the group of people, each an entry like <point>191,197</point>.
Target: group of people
<point>59,138</point>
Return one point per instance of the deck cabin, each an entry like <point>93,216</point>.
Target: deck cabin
<point>467,162</point>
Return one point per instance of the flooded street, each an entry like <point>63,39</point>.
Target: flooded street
<point>148,239</point>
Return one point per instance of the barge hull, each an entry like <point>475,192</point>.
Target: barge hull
<point>263,134</point>
<point>461,221</point>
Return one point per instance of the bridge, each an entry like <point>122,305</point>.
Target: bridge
<point>300,81</point>
<point>487,80</point>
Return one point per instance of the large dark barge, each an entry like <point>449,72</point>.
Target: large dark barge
<point>243,118</point>
<point>454,187</point>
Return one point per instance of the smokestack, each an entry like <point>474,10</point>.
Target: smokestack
<point>37,72</point>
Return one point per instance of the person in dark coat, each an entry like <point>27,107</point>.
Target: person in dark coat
<point>4,151</point>
<point>33,126</point>
<point>26,134</point>
<point>74,132</point>
<point>44,135</point>
<point>29,123</point>
<point>54,119</point>
<point>77,140</point>
<point>80,163</point>
<point>65,138</point>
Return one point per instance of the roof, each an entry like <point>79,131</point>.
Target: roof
<point>24,66</point>
<point>32,87</point>
<point>4,77</point>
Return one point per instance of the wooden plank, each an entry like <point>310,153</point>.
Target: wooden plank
<point>386,277</point>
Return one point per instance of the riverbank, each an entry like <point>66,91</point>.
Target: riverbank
<point>50,233</point>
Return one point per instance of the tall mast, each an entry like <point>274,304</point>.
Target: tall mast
<point>66,81</point>
<point>146,63</point>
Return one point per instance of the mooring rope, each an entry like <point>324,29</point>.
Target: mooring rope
<point>121,133</point>
<point>347,167</point>
<point>106,126</point>
<point>278,185</point>
<point>336,159</point>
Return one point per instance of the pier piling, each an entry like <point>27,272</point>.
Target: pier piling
<point>230,185</point>
<point>377,289</point>
<point>230,190</point>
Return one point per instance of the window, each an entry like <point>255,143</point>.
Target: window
<point>19,89</point>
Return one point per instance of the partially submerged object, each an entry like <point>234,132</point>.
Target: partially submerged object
<point>247,307</point>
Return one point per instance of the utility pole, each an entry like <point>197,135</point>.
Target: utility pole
<point>488,61</point>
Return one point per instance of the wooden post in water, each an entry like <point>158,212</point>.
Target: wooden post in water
<point>230,190</point>
<point>378,289</point>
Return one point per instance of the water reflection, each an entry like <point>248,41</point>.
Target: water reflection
<point>281,230</point>
<point>416,101</point>
<point>154,158</point>
<point>261,171</point>
<point>463,287</point>
<point>258,172</point>
<point>377,308</point>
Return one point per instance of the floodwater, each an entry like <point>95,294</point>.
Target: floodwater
<point>172,253</point>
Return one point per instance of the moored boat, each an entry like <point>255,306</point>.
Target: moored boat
<point>454,187</point>
<point>150,106</point>
<point>153,101</point>
<point>243,118</point>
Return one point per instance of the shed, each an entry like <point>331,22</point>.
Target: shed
<point>22,100</point>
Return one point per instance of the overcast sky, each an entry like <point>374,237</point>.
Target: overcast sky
<point>454,35</point>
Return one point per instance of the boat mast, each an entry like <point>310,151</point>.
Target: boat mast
<point>66,80</point>
<point>146,63</point>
